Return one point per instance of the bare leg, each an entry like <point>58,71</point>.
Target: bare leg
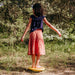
<point>37,61</point>
<point>33,61</point>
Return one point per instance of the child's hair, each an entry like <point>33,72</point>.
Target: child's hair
<point>38,10</point>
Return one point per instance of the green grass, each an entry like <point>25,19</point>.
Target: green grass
<point>58,55</point>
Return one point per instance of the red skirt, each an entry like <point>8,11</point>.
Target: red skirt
<point>36,43</point>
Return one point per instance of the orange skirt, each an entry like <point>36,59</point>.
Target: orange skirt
<point>36,43</point>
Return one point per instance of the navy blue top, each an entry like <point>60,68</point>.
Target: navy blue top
<point>37,23</point>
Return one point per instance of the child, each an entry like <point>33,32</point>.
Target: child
<point>36,43</point>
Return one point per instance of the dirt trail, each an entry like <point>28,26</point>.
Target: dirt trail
<point>46,72</point>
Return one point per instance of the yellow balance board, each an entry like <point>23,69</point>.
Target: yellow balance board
<point>37,69</point>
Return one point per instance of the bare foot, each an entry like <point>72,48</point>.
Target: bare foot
<point>33,65</point>
<point>38,66</point>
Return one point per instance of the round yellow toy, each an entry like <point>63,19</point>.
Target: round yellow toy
<point>37,69</point>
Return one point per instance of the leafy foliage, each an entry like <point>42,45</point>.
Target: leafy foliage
<point>14,15</point>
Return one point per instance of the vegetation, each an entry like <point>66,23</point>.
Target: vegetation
<point>14,15</point>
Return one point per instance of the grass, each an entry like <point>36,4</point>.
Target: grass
<point>58,55</point>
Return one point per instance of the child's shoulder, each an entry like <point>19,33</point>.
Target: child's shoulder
<point>43,16</point>
<point>32,16</point>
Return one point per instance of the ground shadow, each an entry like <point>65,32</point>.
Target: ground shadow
<point>18,69</point>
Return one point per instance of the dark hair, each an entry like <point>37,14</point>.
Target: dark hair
<point>38,10</point>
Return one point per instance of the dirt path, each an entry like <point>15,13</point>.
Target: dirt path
<point>46,72</point>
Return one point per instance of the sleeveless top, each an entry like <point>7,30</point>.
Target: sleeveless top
<point>37,23</point>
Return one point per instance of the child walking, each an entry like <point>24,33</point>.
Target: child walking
<point>36,46</point>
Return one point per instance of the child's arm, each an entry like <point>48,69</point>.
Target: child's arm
<point>52,27</point>
<point>27,28</point>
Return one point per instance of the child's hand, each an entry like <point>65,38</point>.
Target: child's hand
<point>59,34</point>
<point>22,39</point>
